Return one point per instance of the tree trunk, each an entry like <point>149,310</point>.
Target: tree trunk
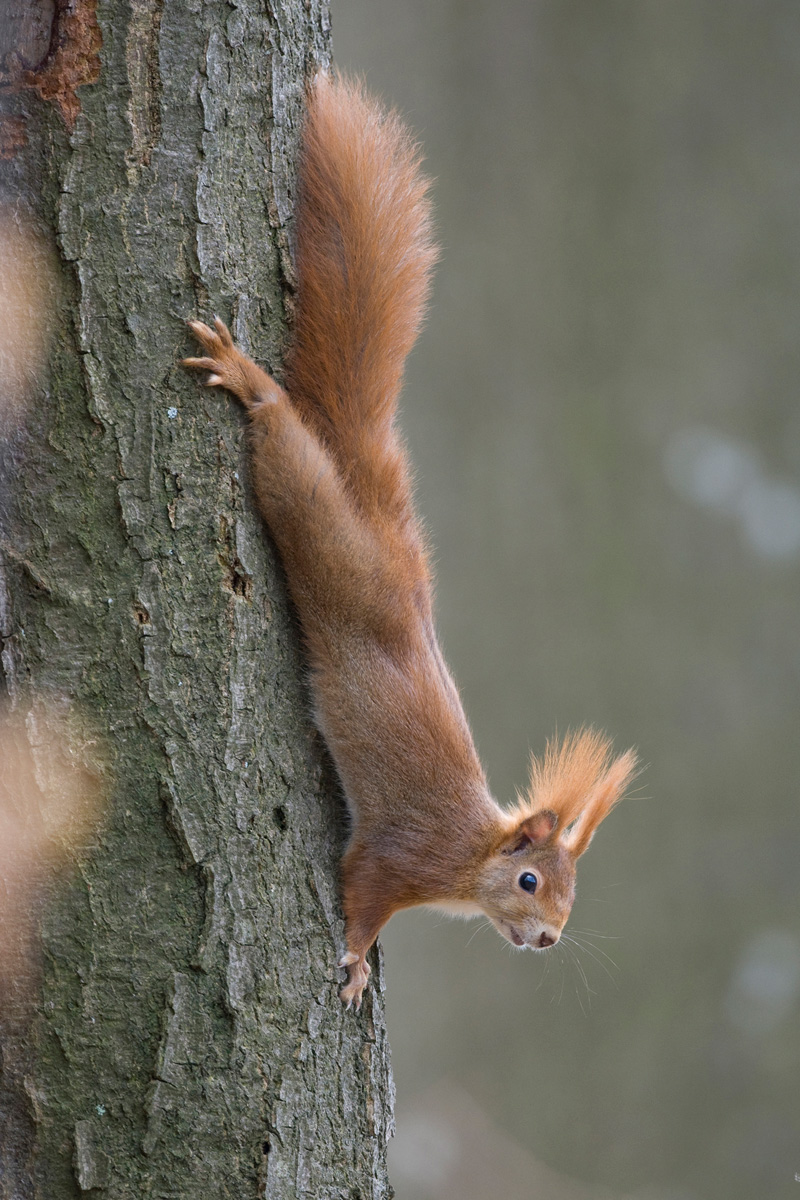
<point>188,1039</point>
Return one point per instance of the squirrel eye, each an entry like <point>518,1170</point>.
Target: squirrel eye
<point>528,882</point>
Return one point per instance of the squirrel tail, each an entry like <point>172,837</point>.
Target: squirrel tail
<point>364,255</point>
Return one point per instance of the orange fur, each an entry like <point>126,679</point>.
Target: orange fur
<point>365,254</point>
<point>570,773</point>
<point>332,482</point>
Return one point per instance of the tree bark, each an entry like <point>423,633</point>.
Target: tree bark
<point>188,1039</point>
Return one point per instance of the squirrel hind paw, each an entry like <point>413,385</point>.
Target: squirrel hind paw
<point>351,994</point>
<point>358,971</point>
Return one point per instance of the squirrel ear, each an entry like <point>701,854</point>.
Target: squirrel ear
<point>605,794</point>
<point>534,830</point>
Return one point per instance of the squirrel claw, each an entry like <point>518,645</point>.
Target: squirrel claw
<point>217,341</point>
<point>223,331</point>
<point>358,971</point>
<point>351,996</point>
<point>201,331</point>
<point>202,364</point>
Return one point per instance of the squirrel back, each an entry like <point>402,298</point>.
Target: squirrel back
<point>365,254</point>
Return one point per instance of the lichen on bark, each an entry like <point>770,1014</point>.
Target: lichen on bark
<point>189,1036</point>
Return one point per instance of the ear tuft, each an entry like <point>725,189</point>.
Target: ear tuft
<point>563,779</point>
<point>608,791</point>
<point>578,781</point>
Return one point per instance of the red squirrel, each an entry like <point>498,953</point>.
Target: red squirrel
<point>332,480</point>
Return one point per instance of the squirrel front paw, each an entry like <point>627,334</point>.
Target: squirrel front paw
<point>229,367</point>
<point>358,970</point>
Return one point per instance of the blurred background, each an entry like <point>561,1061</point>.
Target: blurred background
<point>603,412</point>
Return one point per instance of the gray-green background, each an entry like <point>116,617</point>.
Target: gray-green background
<point>603,411</point>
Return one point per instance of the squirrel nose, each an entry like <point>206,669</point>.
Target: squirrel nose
<point>545,940</point>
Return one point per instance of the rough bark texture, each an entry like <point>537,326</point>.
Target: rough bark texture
<point>189,1040</point>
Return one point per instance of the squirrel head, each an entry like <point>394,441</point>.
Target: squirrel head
<point>526,885</point>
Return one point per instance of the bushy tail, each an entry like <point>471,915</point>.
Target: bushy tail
<point>364,255</point>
